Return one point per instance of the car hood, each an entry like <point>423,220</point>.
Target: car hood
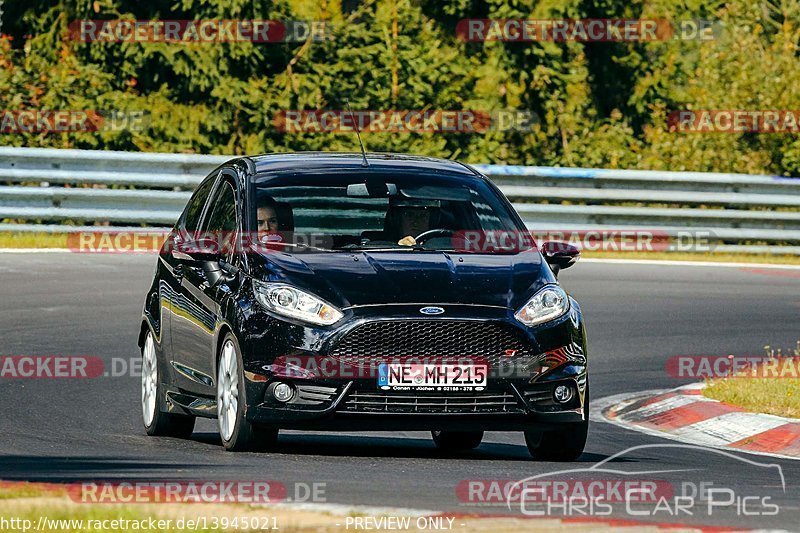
<point>367,278</point>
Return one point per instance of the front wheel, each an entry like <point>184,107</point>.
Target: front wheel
<point>560,445</point>
<point>565,444</point>
<point>157,422</point>
<point>236,432</point>
<point>457,441</point>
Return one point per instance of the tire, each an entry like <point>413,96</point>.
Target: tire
<point>457,441</point>
<point>157,423</point>
<point>235,431</point>
<point>561,445</point>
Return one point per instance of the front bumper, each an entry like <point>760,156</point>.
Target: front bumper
<point>518,395</point>
<point>360,406</point>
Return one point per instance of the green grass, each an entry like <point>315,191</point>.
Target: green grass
<point>775,396</point>
<point>32,240</point>
<point>20,490</point>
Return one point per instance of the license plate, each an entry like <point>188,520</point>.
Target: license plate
<point>431,376</point>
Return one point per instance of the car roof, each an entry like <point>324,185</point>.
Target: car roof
<point>378,162</point>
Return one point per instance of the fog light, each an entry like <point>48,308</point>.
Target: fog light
<point>283,392</point>
<point>562,393</point>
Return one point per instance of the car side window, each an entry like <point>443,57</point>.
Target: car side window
<point>222,213</point>
<point>194,210</point>
<point>221,221</point>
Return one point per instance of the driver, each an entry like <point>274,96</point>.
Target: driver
<point>267,218</point>
<point>414,217</point>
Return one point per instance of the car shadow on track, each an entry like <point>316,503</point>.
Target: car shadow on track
<point>69,469</point>
<point>395,447</point>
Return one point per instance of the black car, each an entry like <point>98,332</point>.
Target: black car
<point>335,291</point>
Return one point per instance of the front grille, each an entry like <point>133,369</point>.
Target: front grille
<point>428,402</point>
<point>494,342</point>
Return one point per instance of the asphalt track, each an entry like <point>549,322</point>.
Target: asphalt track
<point>638,316</point>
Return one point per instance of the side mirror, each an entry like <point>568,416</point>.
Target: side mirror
<point>560,255</point>
<point>203,250</point>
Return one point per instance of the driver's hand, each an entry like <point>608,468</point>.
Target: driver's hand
<point>408,240</point>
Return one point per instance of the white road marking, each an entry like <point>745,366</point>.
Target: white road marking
<point>661,406</point>
<point>729,428</point>
<point>694,437</point>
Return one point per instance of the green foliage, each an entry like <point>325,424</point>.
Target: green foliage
<point>597,104</point>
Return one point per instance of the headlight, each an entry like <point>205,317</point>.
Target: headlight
<point>294,303</point>
<point>549,303</point>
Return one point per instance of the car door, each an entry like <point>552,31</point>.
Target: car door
<point>193,326</point>
<point>171,262</point>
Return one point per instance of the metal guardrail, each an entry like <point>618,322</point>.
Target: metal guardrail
<point>601,177</point>
<point>46,188</point>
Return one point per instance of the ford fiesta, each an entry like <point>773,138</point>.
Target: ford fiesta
<point>326,291</point>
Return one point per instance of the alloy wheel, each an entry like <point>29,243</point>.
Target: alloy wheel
<point>227,390</point>
<point>149,381</point>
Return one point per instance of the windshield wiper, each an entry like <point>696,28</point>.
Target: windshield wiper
<point>295,245</point>
<point>367,248</point>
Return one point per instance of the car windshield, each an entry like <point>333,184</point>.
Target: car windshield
<point>383,213</point>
